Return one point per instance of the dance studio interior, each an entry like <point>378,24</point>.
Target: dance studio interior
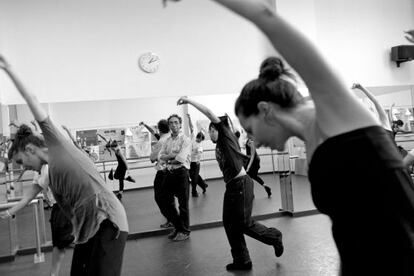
<point>129,96</point>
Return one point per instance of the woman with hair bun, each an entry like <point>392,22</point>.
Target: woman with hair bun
<point>99,222</point>
<point>238,195</point>
<point>356,173</point>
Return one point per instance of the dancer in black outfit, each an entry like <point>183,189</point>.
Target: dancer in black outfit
<point>253,166</point>
<point>122,167</point>
<point>196,152</point>
<point>379,241</point>
<point>238,198</point>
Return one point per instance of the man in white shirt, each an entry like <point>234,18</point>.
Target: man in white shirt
<point>176,153</point>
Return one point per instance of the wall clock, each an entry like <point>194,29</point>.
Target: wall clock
<point>149,62</point>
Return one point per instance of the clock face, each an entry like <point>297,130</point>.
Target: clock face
<point>149,62</point>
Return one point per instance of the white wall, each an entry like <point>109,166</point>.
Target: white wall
<point>87,50</point>
<point>357,36</point>
<point>83,50</point>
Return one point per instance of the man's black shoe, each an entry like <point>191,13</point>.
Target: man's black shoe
<point>278,246</point>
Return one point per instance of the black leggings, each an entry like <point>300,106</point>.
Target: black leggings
<point>253,172</point>
<point>120,172</point>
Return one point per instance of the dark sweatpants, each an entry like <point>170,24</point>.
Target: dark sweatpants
<point>177,184</point>
<point>237,221</point>
<point>195,176</point>
<point>100,255</point>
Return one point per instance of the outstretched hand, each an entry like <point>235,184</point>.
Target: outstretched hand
<point>183,100</point>
<point>410,35</point>
<point>356,86</point>
<point>141,123</point>
<point>3,63</point>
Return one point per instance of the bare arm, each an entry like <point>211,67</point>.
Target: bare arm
<point>28,196</point>
<point>206,111</point>
<point>149,129</point>
<point>381,112</point>
<point>103,138</point>
<point>72,138</point>
<point>190,125</point>
<point>37,110</point>
<point>337,109</point>
<point>252,154</point>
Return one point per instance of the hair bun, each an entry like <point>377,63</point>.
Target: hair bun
<point>271,69</point>
<point>24,131</point>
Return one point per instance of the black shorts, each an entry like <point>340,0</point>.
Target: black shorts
<point>61,228</point>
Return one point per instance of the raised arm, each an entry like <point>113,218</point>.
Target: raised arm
<point>206,111</point>
<point>337,109</point>
<point>385,122</point>
<point>38,112</point>
<point>103,138</point>
<point>250,144</point>
<point>72,138</point>
<point>153,133</point>
<point>190,125</point>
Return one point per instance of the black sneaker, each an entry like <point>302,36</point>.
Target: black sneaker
<point>278,246</point>
<point>205,188</point>
<point>268,190</point>
<point>194,193</point>
<point>239,266</point>
<point>111,174</point>
<point>130,179</point>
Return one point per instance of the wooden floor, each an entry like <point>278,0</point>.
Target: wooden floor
<point>309,246</point>
<point>309,251</point>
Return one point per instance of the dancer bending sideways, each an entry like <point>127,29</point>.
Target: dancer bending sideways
<point>371,205</point>
<point>99,222</point>
<point>238,197</point>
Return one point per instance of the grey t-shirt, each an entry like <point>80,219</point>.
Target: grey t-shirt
<point>78,187</point>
